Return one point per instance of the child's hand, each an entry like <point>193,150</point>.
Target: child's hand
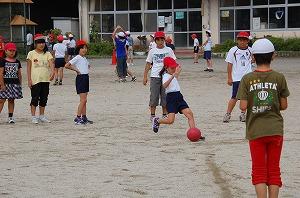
<point>51,76</point>
<point>145,81</point>
<point>30,83</point>
<point>78,72</point>
<point>229,81</point>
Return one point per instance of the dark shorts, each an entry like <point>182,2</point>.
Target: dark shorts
<point>39,94</point>
<point>157,91</point>
<point>175,102</point>
<point>82,83</point>
<point>71,51</point>
<point>207,55</point>
<point>59,62</point>
<point>235,87</point>
<point>196,49</point>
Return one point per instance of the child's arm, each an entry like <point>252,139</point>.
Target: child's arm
<point>177,71</point>
<point>29,73</point>
<point>20,75</point>
<point>147,68</point>
<point>204,43</point>
<point>2,85</point>
<point>283,103</point>
<point>51,64</point>
<point>243,105</point>
<point>72,67</point>
<point>167,83</point>
<point>229,74</point>
<point>114,32</point>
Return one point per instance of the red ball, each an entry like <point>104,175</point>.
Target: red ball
<point>194,134</point>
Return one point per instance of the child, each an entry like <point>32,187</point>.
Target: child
<point>207,51</point>
<point>71,44</point>
<point>81,66</point>
<point>60,54</point>
<point>152,43</point>
<point>121,52</point>
<point>156,56</point>
<point>130,48</point>
<point>10,80</point>
<point>239,60</point>
<point>170,44</point>
<point>263,93</point>
<point>2,47</point>
<point>175,101</point>
<point>196,48</point>
<point>40,71</point>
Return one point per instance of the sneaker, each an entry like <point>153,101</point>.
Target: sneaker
<point>60,83</point>
<point>206,69</point>
<point>35,120</point>
<point>155,124</point>
<point>44,119</point>
<point>210,70</point>
<point>79,121</point>
<point>164,116</point>
<point>202,138</point>
<point>123,80</point>
<point>11,120</point>
<point>55,83</point>
<point>227,117</point>
<point>243,117</point>
<point>87,121</point>
<point>133,79</point>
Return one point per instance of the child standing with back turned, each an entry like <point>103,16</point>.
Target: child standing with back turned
<point>263,93</point>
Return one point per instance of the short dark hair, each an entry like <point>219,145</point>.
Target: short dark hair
<point>77,49</point>
<point>208,34</point>
<point>263,58</point>
<point>41,41</point>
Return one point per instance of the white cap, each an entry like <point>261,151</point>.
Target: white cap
<point>71,35</point>
<point>127,33</point>
<point>121,34</point>
<point>262,46</point>
<point>208,31</point>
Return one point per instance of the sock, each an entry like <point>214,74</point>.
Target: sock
<point>152,115</point>
<point>10,115</point>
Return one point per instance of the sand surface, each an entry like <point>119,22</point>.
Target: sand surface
<point>120,156</point>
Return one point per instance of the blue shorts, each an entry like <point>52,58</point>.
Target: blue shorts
<point>59,62</point>
<point>82,83</point>
<point>235,88</point>
<point>207,55</point>
<point>175,102</point>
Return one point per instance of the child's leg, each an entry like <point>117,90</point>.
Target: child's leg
<point>168,120</point>
<point>11,106</point>
<point>189,114</point>
<point>231,105</point>
<point>44,92</point>
<point>82,104</point>
<point>258,149</point>
<point>2,101</point>
<point>61,73</point>
<point>273,156</point>
<point>55,74</point>
<point>209,63</point>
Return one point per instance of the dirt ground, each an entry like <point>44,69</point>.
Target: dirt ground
<point>120,156</point>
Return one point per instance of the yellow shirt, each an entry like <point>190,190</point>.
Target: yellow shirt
<point>40,67</point>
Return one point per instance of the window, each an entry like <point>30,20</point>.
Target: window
<point>151,5</point>
<point>277,18</point>
<point>164,4</point>
<point>224,36</point>
<point>122,20</point>
<point>242,19</point>
<point>107,37</point>
<point>150,22</point>
<point>107,23</point>
<point>166,20</point>
<point>136,22</point>
<point>180,40</point>
<point>180,4</point>
<point>122,4</point>
<point>260,18</point>
<point>277,1</point>
<point>226,3</point>
<point>294,1</point>
<point>260,2</point>
<point>194,3</point>
<point>134,4</point>
<point>180,21</point>
<point>242,2</point>
<point>227,20</point>
<point>294,16</point>
<point>96,22</point>
<point>195,21</point>
<point>17,33</point>
<point>107,5</point>
<point>94,6</point>
<point>4,16</point>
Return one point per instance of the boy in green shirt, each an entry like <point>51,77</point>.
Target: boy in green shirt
<point>263,93</point>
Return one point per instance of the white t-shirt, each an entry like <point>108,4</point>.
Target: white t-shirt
<point>173,86</point>
<point>60,50</point>
<point>66,42</point>
<point>156,56</point>
<point>29,39</point>
<point>208,45</point>
<point>152,45</point>
<point>72,44</point>
<point>196,42</point>
<point>81,63</point>
<point>241,62</point>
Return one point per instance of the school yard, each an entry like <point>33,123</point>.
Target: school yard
<point>120,156</point>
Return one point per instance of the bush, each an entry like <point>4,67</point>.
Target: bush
<point>224,47</point>
<point>292,44</point>
<point>279,43</point>
<point>102,48</point>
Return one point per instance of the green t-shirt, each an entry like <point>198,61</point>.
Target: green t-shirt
<point>263,91</point>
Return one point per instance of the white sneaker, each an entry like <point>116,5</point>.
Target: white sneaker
<point>243,117</point>
<point>35,120</point>
<point>11,120</point>
<point>227,117</point>
<point>44,119</point>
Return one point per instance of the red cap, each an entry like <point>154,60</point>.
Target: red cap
<point>170,62</point>
<point>194,36</point>
<point>60,38</point>
<point>80,42</point>
<point>10,46</point>
<point>159,35</point>
<point>39,36</point>
<point>243,35</point>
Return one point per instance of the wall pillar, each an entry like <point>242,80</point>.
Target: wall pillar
<point>83,19</point>
<point>210,19</point>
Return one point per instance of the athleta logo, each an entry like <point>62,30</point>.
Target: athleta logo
<point>263,95</point>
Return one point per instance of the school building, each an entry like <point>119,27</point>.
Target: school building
<point>181,18</point>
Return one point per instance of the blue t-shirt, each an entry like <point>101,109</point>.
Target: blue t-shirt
<point>120,45</point>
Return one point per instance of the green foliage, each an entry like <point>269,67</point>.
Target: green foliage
<point>279,43</point>
<point>292,44</point>
<point>224,47</point>
<point>102,48</point>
